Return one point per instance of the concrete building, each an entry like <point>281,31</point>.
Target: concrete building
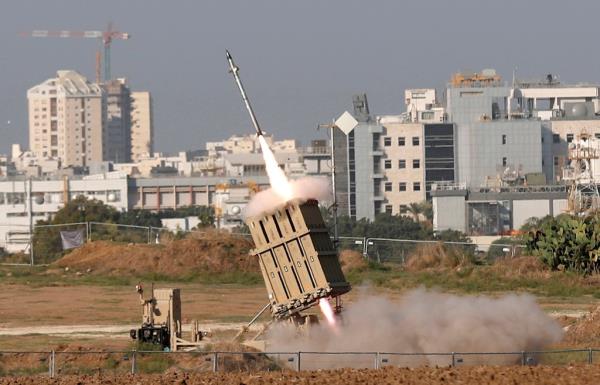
<point>387,163</point>
<point>253,164</point>
<point>66,119</point>
<point>142,125</point>
<point>245,144</point>
<point>492,142</point>
<point>117,121</point>
<point>493,211</point>
<point>358,161</point>
<point>403,165</point>
<point>24,202</point>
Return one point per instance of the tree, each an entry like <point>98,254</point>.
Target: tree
<point>47,243</point>
<point>415,209</point>
<point>206,215</point>
<point>427,210</point>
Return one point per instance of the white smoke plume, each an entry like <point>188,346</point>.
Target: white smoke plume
<point>302,190</point>
<point>277,178</point>
<point>424,321</point>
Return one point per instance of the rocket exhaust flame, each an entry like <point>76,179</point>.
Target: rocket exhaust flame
<point>327,311</point>
<point>279,182</point>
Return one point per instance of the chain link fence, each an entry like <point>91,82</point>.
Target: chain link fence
<point>49,243</point>
<point>400,251</point>
<point>57,363</point>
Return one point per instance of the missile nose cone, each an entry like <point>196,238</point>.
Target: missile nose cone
<point>228,54</point>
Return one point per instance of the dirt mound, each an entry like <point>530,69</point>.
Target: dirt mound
<point>352,260</point>
<point>208,252</point>
<point>585,332</point>
<point>436,256</point>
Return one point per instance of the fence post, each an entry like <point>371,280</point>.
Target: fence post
<point>453,359</point>
<point>88,229</point>
<point>133,363</point>
<point>31,256</point>
<point>365,248</point>
<point>523,360</point>
<point>377,361</point>
<point>215,361</point>
<point>590,356</point>
<point>53,364</point>
<point>298,363</point>
<point>149,233</point>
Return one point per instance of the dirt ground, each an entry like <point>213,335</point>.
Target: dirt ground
<point>523,375</point>
<point>24,305</point>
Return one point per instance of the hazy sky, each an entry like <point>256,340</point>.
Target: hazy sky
<point>301,61</point>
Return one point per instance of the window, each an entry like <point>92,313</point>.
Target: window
<point>401,141</point>
<point>504,162</point>
<point>597,135</point>
<point>403,209</point>
<point>416,186</point>
<point>387,141</point>
<point>556,160</point>
<point>388,209</point>
<point>416,163</point>
<point>503,139</point>
<point>387,163</point>
<point>402,186</point>
<point>388,186</point>
<point>427,115</point>
<point>402,163</point>
<point>415,140</point>
<point>569,138</point>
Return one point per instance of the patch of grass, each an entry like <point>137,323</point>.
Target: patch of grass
<point>153,363</point>
<point>39,276</point>
<point>476,279</point>
<point>25,371</point>
<point>563,358</point>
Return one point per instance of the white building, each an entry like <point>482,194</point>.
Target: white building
<point>66,119</point>
<point>24,202</point>
<point>142,125</point>
<point>245,144</point>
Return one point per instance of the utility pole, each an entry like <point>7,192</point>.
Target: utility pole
<point>331,126</point>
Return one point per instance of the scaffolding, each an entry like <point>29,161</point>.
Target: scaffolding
<point>580,174</point>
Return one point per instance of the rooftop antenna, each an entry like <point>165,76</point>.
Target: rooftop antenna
<point>514,79</point>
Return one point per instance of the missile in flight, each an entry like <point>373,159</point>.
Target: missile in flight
<point>234,70</point>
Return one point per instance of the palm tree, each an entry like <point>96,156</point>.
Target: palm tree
<point>415,209</point>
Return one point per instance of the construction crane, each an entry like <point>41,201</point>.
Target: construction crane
<point>106,36</point>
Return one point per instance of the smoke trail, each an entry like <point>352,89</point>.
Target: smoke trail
<point>301,190</point>
<point>426,321</point>
<point>277,178</point>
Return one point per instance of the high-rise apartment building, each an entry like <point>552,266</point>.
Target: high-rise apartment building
<point>117,124</point>
<point>66,119</point>
<point>142,127</point>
